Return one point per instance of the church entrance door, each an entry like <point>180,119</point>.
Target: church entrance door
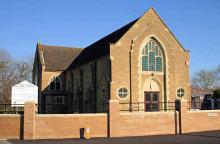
<point>151,101</point>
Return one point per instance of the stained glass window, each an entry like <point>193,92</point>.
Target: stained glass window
<point>152,59</point>
<point>145,63</point>
<point>158,64</point>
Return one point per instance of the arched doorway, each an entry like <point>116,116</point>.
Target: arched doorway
<point>152,95</point>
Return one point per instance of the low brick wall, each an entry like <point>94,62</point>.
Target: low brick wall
<point>60,126</point>
<point>151,123</point>
<point>10,126</point>
<point>114,124</point>
<point>198,121</point>
<point>124,124</point>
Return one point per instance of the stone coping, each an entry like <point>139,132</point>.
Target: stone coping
<point>71,115</point>
<point>203,111</point>
<point>10,115</point>
<point>148,113</point>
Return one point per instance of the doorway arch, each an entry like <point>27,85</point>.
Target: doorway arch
<point>153,95</point>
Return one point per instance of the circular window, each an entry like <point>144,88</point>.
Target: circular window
<point>180,92</point>
<point>122,92</point>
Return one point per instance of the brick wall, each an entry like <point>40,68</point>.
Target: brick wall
<point>198,121</point>
<point>140,123</point>
<point>116,124</point>
<point>10,126</point>
<point>68,125</point>
<point>60,126</point>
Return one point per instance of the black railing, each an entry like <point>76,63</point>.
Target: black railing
<point>147,106</point>
<point>11,108</point>
<point>70,108</point>
<point>207,105</point>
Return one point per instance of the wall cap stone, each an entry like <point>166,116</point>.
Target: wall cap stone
<point>71,115</point>
<point>112,100</point>
<point>148,113</point>
<point>10,115</point>
<point>28,102</point>
<point>204,111</point>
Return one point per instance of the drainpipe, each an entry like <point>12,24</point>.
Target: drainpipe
<point>130,75</point>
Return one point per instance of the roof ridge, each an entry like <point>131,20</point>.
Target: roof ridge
<point>52,46</point>
<point>120,28</point>
<point>101,46</point>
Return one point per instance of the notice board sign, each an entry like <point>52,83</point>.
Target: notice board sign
<point>24,91</point>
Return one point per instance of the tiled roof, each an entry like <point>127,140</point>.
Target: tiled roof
<point>101,47</point>
<point>58,58</point>
<point>200,92</point>
<point>61,58</point>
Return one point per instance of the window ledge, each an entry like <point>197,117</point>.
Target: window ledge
<point>152,72</point>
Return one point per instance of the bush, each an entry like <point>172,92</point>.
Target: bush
<point>216,93</point>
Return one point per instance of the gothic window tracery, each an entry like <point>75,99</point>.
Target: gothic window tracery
<point>152,58</point>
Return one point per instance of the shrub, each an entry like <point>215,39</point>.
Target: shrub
<point>216,93</point>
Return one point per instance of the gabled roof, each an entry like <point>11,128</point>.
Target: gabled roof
<point>60,58</point>
<point>101,47</point>
<point>57,58</point>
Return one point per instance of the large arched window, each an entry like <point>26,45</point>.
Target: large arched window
<point>55,84</point>
<point>152,57</point>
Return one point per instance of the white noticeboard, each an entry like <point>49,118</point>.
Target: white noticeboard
<point>24,91</point>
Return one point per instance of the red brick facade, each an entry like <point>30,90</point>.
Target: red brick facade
<point>10,126</point>
<point>114,124</point>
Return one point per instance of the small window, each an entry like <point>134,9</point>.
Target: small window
<point>59,100</point>
<point>55,84</point>
<point>69,85</point>
<point>104,92</point>
<point>52,86</point>
<point>122,92</point>
<point>180,93</point>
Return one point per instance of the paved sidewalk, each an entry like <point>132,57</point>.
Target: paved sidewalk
<point>196,138</point>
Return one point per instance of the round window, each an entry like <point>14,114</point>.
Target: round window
<point>122,92</point>
<point>180,92</point>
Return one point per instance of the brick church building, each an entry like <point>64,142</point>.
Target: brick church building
<point>141,62</point>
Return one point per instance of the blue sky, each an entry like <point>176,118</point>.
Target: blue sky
<point>78,23</point>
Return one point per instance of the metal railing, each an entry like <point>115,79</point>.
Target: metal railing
<point>11,108</point>
<point>206,105</point>
<point>147,106</point>
<point>70,108</point>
